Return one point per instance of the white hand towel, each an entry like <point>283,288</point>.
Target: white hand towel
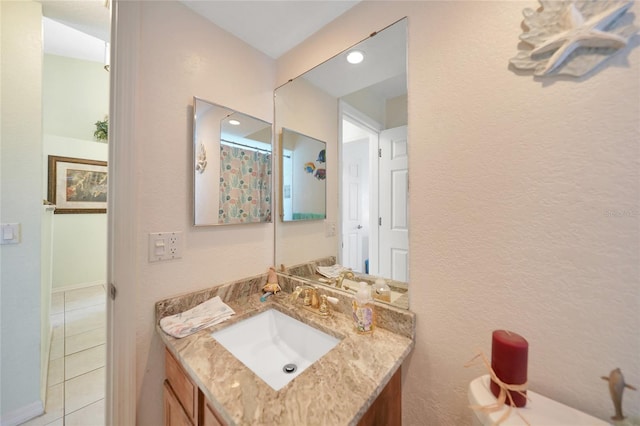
<point>206,314</point>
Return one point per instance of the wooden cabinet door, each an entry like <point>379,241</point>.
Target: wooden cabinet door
<point>387,408</point>
<point>184,389</point>
<point>209,416</point>
<point>174,415</point>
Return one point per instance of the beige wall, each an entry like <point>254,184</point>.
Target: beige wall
<point>182,55</point>
<point>396,112</point>
<point>513,182</point>
<point>305,109</point>
<point>368,103</point>
<point>528,198</point>
<point>524,206</point>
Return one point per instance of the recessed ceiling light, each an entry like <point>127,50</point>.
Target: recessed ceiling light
<point>234,122</point>
<point>355,57</point>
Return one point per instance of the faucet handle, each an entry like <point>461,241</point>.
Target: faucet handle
<point>296,293</point>
<point>324,309</point>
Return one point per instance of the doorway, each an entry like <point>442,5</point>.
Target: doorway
<point>374,197</point>
<point>75,95</point>
<point>359,145</point>
<point>393,248</point>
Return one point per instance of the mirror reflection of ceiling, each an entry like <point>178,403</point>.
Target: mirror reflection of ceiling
<point>351,132</point>
<point>248,130</point>
<point>382,70</point>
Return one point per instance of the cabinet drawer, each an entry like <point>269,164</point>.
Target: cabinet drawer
<point>186,392</point>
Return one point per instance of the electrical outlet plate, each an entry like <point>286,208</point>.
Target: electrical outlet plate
<point>165,246</point>
<point>330,229</point>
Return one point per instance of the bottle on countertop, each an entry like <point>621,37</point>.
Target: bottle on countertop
<point>381,290</point>
<point>364,315</point>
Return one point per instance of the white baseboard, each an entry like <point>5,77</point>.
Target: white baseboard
<point>44,366</point>
<point>76,287</point>
<point>23,414</point>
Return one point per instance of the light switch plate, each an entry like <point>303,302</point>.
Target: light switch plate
<point>165,246</point>
<point>10,233</point>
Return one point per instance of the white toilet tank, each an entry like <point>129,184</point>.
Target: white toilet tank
<point>539,411</point>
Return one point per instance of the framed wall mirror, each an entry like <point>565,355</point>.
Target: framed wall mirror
<point>304,191</point>
<point>360,110</point>
<point>232,155</point>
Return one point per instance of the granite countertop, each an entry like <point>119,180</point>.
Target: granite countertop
<point>336,390</point>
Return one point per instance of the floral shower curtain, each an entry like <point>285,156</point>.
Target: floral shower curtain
<point>245,185</point>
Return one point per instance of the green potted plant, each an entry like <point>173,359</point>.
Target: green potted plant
<point>102,129</point>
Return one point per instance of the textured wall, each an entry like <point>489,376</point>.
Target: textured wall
<point>182,55</point>
<point>21,175</point>
<point>524,206</point>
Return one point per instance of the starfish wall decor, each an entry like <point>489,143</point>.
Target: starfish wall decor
<point>572,37</point>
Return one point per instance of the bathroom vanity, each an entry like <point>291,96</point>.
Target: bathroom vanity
<point>355,383</point>
<point>184,403</point>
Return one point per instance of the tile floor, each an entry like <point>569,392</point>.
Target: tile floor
<point>76,384</point>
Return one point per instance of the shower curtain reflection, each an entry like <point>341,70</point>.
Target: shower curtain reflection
<point>245,185</point>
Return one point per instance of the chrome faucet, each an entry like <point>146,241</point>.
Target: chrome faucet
<point>346,274</point>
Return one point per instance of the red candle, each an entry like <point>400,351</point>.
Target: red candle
<point>509,356</point>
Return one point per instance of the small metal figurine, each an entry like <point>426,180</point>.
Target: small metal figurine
<point>616,387</point>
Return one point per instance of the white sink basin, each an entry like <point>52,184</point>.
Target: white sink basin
<point>271,340</point>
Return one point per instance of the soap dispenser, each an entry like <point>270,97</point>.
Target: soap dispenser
<point>381,290</point>
<point>363,310</point>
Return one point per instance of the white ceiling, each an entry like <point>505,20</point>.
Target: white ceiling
<point>62,40</point>
<point>273,27</point>
<point>89,16</point>
<point>76,29</point>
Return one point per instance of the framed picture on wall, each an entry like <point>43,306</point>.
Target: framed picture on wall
<point>77,185</point>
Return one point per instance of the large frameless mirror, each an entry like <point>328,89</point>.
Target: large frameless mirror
<point>232,166</point>
<point>360,111</point>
